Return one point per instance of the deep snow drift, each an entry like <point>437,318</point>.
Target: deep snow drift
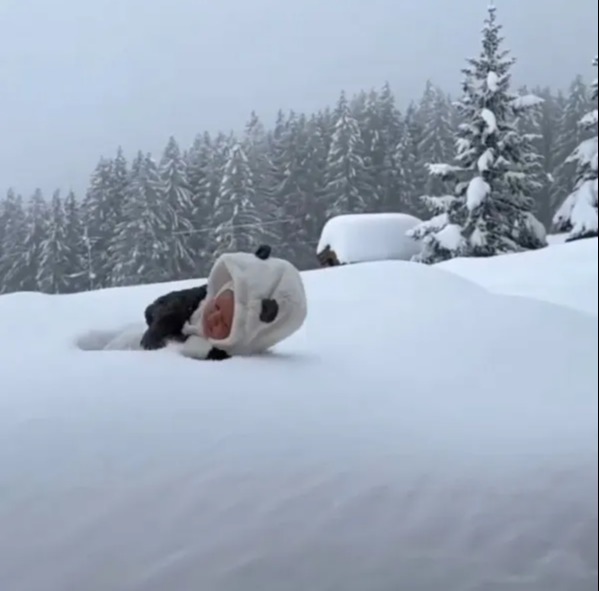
<point>419,434</point>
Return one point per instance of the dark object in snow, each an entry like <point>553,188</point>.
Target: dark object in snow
<point>269,311</point>
<point>264,251</point>
<point>327,257</point>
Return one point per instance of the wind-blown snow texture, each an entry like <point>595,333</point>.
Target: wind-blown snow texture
<point>420,433</point>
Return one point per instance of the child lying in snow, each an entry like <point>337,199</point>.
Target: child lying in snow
<point>250,303</point>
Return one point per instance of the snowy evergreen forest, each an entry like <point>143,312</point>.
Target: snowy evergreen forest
<point>489,172</point>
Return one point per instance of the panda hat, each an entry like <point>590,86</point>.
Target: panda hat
<point>270,301</point>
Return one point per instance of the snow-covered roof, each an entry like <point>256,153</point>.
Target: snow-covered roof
<point>366,237</point>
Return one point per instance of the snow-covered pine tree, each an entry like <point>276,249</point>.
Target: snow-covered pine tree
<point>544,128</point>
<point>436,140</point>
<point>390,133</point>
<point>578,213</point>
<point>120,177</point>
<point>178,204</point>
<point>349,187</point>
<point>101,216</point>
<point>528,121</point>
<point>200,162</point>
<point>313,183</point>
<point>237,223</point>
<point>490,212</point>
<point>293,191</point>
<point>143,246</point>
<point>256,146</point>
<point>406,176</point>
<point>569,135</point>
<point>54,269</point>
<point>365,109</point>
<point>12,239</point>
<point>77,264</point>
<point>37,227</point>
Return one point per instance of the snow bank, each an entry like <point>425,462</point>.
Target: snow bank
<point>357,238</point>
<point>563,273</point>
<point>419,432</point>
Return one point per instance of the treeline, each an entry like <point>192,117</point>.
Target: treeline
<point>151,219</point>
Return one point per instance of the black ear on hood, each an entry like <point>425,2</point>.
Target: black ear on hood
<point>269,312</point>
<point>263,252</point>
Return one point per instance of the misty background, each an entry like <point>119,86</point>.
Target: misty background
<point>81,78</point>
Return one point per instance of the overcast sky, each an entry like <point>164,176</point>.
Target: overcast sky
<point>80,77</point>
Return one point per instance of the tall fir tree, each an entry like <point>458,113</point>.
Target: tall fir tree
<point>406,177</point>
<point>569,135</point>
<point>578,213</point>
<point>12,241</point>
<point>101,216</point>
<point>490,211</point>
<point>436,139</point>
<point>237,223</point>
<point>200,162</point>
<point>258,150</point>
<point>37,220</point>
<point>293,191</point>
<point>390,121</point>
<point>179,209</point>
<point>53,274</point>
<point>77,266</point>
<point>349,187</point>
<point>143,246</point>
<point>544,128</point>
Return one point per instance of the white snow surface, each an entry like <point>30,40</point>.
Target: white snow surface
<point>419,433</point>
<point>562,273</point>
<point>368,237</point>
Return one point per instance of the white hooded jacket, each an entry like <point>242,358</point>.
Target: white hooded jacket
<point>270,305</point>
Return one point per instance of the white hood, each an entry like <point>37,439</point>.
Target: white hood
<point>270,302</point>
<point>256,284</point>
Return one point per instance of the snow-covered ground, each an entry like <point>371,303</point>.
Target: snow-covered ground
<point>566,275</point>
<point>420,433</point>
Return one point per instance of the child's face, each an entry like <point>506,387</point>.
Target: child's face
<point>218,316</point>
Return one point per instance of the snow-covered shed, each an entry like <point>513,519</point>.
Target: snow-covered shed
<point>359,238</point>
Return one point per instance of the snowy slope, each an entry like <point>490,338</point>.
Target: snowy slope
<point>566,274</point>
<point>419,434</point>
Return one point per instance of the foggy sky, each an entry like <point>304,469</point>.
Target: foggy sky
<point>80,77</point>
